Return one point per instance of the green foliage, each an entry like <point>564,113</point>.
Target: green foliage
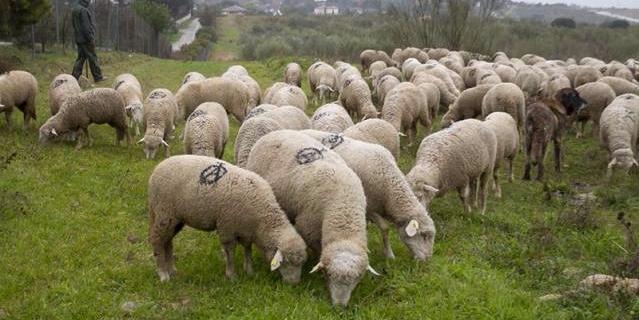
<point>564,23</point>
<point>155,14</point>
<point>200,48</point>
<point>208,15</point>
<point>16,14</point>
<point>617,24</point>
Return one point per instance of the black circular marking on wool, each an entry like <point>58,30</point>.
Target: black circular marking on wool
<point>195,114</point>
<point>333,140</point>
<point>213,173</point>
<point>157,95</point>
<point>320,115</point>
<point>59,82</point>
<point>255,112</point>
<point>308,155</point>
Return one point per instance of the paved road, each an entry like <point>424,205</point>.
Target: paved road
<point>187,35</point>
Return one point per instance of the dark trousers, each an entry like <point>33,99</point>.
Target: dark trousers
<point>86,51</point>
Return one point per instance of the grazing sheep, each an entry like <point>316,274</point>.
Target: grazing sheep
<point>375,68</point>
<point>410,52</point>
<point>507,134</point>
<point>385,85</point>
<point>192,76</point>
<point>238,69</point>
<point>583,75</point>
<point>293,74</point>
<point>159,121</point>
<point>368,57</point>
<point>409,66</point>
<point>619,128</point>
<point>452,64</point>
<point>259,110</point>
<point>593,62</point>
<point>356,98</point>
<point>62,87</point>
<point>440,72</point>
<point>554,84</point>
<point>130,88</point>
<point>388,194</point>
<point>331,118</point>
<point>376,131</point>
<point>437,53</point>
<point>207,131</point>
<point>620,86</point>
<point>598,96</point>
<point>487,76</point>
<point>633,65</point>
<point>389,71</point>
<point>289,117</point>
<point>254,90</point>
<point>619,70</point>
<point>322,79</point>
<point>232,94</point>
<point>210,194</point>
<point>99,106</point>
<point>432,93</point>
<point>324,198</point>
<point>404,106</point>
<point>529,81</point>
<point>18,89</point>
<point>346,72</point>
<point>283,94</point>
<point>506,73</point>
<point>250,131</point>
<point>460,157</point>
<point>505,97</point>
<point>532,59</point>
<point>467,106</point>
<point>447,97</point>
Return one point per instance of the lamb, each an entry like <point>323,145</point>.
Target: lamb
<point>192,76</point>
<point>282,94</point>
<point>324,198</point>
<point>459,157</point>
<point>467,106</point>
<point>547,121</point>
<point>331,118</point>
<point>388,195</point>
<point>620,86</point>
<point>619,128</point>
<point>159,121</point>
<point>356,98</point>
<point>507,134</point>
<point>131,90</point>
<point>62,87</point>
<point>385,85</point>
<point>293,74</point>
<point>433,99</point>
<point>322,79</point>
<point>404,106</point>
<point>210,194</point>
<point>231,94</point>
<point>207,131</point>
<point>598,96</point>
<point>99,106</point>
<point>18,89</point>
<point>376,131</point>
<point>260,109</point>
<point>505,97</point>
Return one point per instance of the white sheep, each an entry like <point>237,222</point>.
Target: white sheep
<point>461,157</point>
<point>293,74</point>
<point>507,134</point>
<point>232,94</point>
<point>619,129</point>
<point>467,106</point>
<point>159,121</point>
<point>18,89</point>
<point>259,110</point>
<point>254,90</point>
<point>404,106</point>
<point>620,86</point>
<point>99,106</point>
<point>206,131</point>
<point>322,79</point>
<point>385,85</point>
<point>433,98</point>
<point>284,94</point>
<point>130,88</point>
<point>505,97</point>
<point>62,87</point>
<point>388,194</point>
<point>209,194</point>
<point>331,118</point>
<point>288,117</point>
<point>598,96</point>
<point>192,76</point>
<point>355,96</point>
<point>447,97</point>
<point>376,131</point>
<point>250,131</point>
<point>324,198</point>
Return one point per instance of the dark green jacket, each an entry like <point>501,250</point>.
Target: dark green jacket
<point>83,25</point>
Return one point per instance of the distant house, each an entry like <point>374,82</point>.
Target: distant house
<point>234,11</point>
<point>326,10</point>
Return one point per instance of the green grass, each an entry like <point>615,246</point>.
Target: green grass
<point>73,228</point>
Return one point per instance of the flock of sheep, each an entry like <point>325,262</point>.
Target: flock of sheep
<point>301,182</point>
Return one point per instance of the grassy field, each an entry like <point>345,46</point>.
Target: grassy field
<point>73,229</point>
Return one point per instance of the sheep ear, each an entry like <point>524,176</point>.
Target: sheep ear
<point>1,105</point>
<point>411,228</point>
<point>401,134</point>
<point>277,260</point>
<point>317,267</point>
<point>371,270</point>
<point>634,162</point>
<point>53,132</point>
<point>612,163</point>
<point>430,189</point>
<point>128,108</point>
<point>141,140</point>
<point>164,143</point>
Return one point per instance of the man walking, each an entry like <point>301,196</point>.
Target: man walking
<point>84,32</point>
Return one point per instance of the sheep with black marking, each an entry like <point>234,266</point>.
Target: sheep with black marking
<point>385,85</point>
<point>130,88</point>
<point>356,98</point>
<point>293,74</point>
<point>284,94</point>
<point>461,157</point>
<point>331,118</point>
<point>324,198</point>
<point>404,106</point>
<point>376,131</point>
<point>619,129</point>
<point>159,121</point>
<point>232,94</point>
<point>18,89</point>
<point>388,194</point>
<point>99,106</point>
<point>62,87</point>
<point>212,195</point>
<point>260,109</point>
<point>192,76</point>
<point>254,90</point>
<point>206,131</point>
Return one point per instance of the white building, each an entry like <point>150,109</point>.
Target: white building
<point>326,10</point>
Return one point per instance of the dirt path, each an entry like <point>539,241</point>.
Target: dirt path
<point>229,30</point>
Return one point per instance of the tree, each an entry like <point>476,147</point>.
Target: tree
<point>617,24</point>
<point>17,14</point>
<point>157,16</point>
<point>564,23</point>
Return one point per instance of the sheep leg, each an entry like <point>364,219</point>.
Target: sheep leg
<point>528,164</point>
<point>558,154</point>
<point>227,250</point>
<point>496,186</point>
<point>248,258</point>
<point>411,134</point>
<point>483,185</point>
<point>81,138</point>
<point>540,163</point>
<point>463,196</point>
<point>7,116</point>
<point>473,191</point>
<point>384,231</point>
<point>511,175</point>
<point>161,233</point>
<point>167,152</point>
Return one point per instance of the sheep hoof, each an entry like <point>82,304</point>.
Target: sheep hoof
<point>389,254</point>
<point>164,276</point>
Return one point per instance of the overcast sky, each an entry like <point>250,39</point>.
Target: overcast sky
<point>593,3</point>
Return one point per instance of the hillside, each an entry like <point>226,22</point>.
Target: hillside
<point>73,230</point>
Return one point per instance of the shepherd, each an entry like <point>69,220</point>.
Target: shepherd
<point>84,32</point>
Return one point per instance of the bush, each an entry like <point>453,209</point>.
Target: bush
<point>564,23</point>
